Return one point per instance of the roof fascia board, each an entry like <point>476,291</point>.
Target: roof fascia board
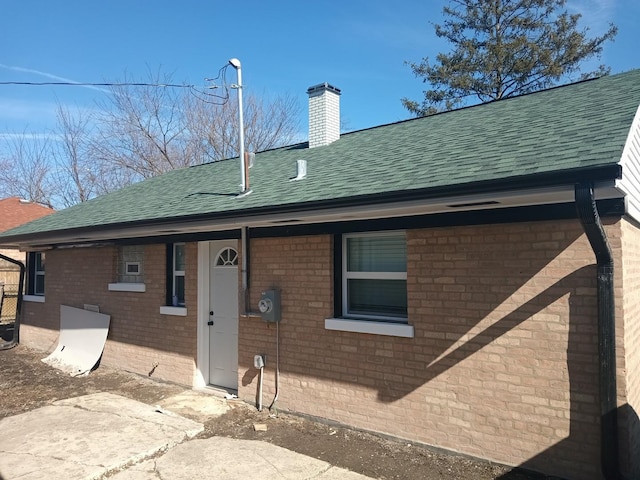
<point>607,207</point>
<point>218,226</point>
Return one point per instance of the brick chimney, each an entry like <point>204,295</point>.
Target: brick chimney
<point>324,114</point>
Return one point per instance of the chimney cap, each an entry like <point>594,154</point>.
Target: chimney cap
<point>321,87</point>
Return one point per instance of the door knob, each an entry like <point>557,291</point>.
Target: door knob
<point>211,312</point>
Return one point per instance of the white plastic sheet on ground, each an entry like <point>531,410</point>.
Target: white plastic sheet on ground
<point>81,341</point>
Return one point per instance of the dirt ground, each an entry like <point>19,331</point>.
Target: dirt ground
<point>26,384</point>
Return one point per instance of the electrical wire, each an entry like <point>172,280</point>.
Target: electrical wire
<point>220,99</point>
<point>221,75</point>
<point>193,90</point>
<point>83,84</point>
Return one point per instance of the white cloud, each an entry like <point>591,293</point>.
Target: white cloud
<point>29,136</point>
<point>596,14</point>
<point>20,114</point>
<point>31,119</point>
<point>50,76</point>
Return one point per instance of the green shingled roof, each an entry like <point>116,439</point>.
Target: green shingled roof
<point>562,129</point>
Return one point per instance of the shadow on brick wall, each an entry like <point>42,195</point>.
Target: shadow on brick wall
<point>576,453</point>
<point>629,458</point>
<point>579,452</point>
<point>581,446</point>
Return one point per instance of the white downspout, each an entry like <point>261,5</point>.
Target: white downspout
<point>235,63</point>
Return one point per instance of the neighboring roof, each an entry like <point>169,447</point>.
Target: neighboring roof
<point>545,138</point>
<point>15,211</point>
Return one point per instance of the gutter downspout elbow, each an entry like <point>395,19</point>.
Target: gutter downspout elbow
<point>592,225</point>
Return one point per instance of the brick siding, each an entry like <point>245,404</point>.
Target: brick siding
<point>503,365</point>
<point>324,117</point>
<point>139,336</point>
<point>628,418</point>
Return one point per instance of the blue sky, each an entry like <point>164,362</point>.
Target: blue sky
<point>284,46</point>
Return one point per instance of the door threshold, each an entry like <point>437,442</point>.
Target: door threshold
<point>219,391</point>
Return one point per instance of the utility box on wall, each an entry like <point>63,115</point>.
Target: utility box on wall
<point>269,305</point>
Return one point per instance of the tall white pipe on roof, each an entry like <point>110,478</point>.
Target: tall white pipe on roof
<point>235,63</point>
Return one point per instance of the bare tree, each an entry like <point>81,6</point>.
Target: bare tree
<point>74,175</point>
<point>267,124</point>
<point>142,129</point>
<point>25,169</point>
<point>149,129</point>
<point>138,131</point>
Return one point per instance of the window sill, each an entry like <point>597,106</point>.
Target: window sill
<point>33,298</point>
<point>127,287</point>
<point>177,311</point>
<point>369,326</point>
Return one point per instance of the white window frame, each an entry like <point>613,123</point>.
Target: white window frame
<point>127,287</point>
<point>391,329</point>
<point>33,298</point>
<point>346,276</point>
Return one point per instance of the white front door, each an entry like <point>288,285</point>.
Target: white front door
<point>223,314</point>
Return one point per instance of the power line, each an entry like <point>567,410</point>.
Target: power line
<point>220,99</point>
<point>195,91</point>
<point>82,84</point>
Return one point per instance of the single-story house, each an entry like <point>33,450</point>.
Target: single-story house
<point>468,280</point>
<point>14,211</point>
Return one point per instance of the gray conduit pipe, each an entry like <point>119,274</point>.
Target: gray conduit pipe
<point>245,269</point>
<point>588,215</point>
<point>16,326</point>
<point>272,407</point>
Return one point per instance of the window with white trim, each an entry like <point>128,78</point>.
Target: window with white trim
<point>374,276</point>
<point>177,274</point>
<point>130,264</point>
<point>35,283</point>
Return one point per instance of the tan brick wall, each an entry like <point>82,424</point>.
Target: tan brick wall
<point>38,328</point>
<point>302,268</point>
<point>139,336</point>
<point>504,361</point>
<point>628,418</point>
<point>503,365</point>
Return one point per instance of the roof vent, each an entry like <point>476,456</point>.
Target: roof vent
<point>473,204</point>
<point>302,170</point>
